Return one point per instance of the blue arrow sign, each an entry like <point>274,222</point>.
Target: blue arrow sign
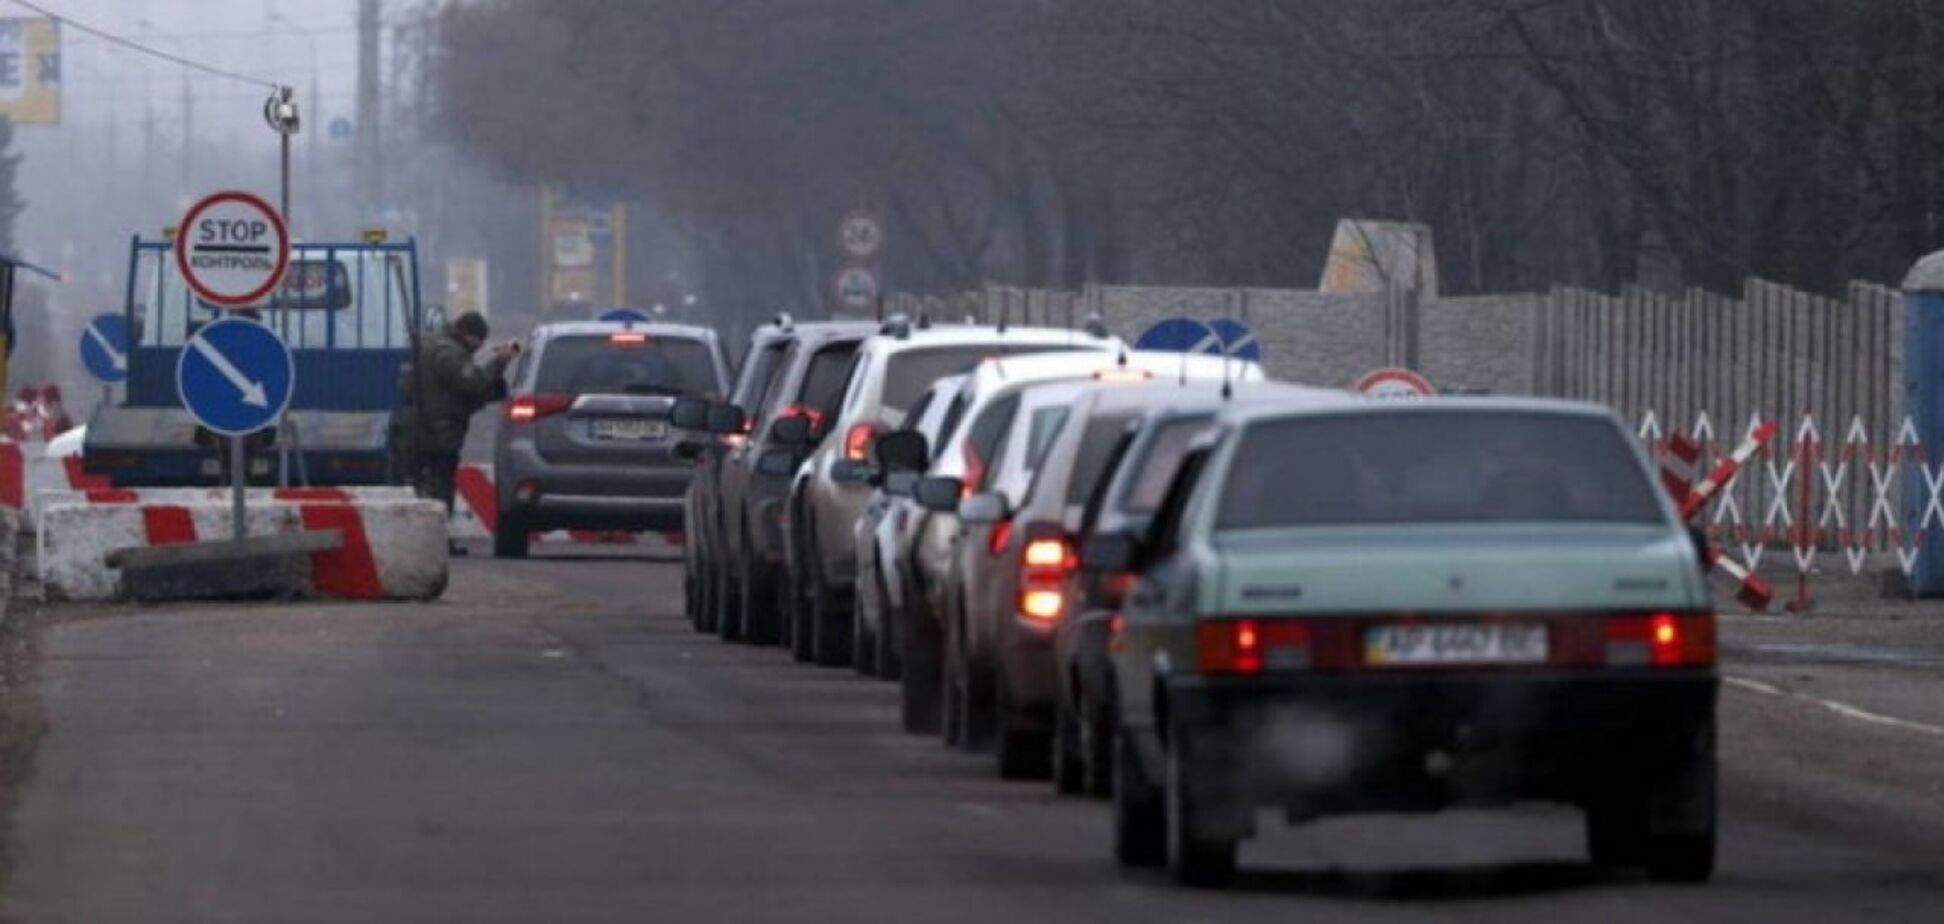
<point>626,316</point>
<point>1180,335</point>
<point>104,348</point>
<point>1238,341</point>
<point>235,376</point>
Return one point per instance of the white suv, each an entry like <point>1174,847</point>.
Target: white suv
<point>889,374</point>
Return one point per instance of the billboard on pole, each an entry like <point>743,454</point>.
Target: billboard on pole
<point>30,71</point>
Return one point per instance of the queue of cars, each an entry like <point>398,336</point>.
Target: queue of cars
<point>1163,579</point>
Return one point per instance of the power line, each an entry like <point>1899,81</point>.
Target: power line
<point>140,48</point>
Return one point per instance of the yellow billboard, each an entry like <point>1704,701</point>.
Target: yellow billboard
<point>30,71</point>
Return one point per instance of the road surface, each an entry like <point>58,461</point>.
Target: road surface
<point>552,743</point>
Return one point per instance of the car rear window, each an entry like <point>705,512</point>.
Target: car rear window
<point>1157,466</point>
<point>657,366</point>
<point>760,367</point>
<point>829,372</point>
<point>909,372</point>
<point>1097,445</point>
<point>1423,467</point>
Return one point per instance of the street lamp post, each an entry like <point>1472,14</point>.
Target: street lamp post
<point>316,101</point>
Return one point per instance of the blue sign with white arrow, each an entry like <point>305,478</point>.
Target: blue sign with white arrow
<point>104,348</point>
<point>626,316</point>
<point>235,376</point>
<point>1180,335</point>
<point>1238,341</point>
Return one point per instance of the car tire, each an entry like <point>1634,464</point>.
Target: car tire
<point>863,644</point>
<point>968,698</point>
<point>1682,847</point>
<point>510,536</point>
<point>1140,811</point>
<point>886,637</point>
<point>691,587</point>
<point>830,624</point>
<point>920,679</point>
<point>723,613</point>
<point>1097,747</point>
<point>1069,766</point>
<point>803,635</point>
<point>1024,752</point>
<point>1616,831</point>
<point>1196,857</point>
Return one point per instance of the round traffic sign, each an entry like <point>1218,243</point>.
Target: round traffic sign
<point>232,248</point>
<point>235,376</point>
<point>104,347</point>
<point>625,316</point>
<point>1180,335</point>
<point>1238,341</point>
<point>856,287</point>
<point>861,234</point>
<point>1394,384</point>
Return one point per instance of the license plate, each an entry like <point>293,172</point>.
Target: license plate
<point>1435,644</point>
<point>628,428</point>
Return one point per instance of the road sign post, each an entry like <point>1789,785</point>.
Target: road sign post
<point>236,377</point>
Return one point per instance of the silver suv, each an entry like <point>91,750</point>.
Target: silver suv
<point>585,442</point>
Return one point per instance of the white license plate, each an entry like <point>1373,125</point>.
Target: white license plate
<point>628,428</point>
<point>1436,644</point>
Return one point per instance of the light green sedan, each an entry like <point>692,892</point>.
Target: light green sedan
<point>1350,606</point>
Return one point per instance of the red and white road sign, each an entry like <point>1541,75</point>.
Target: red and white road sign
<point>856,287</point>
<point>1394,383</point>
<point>232,248</point>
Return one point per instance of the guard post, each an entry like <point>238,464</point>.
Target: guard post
<point>1924,403</point>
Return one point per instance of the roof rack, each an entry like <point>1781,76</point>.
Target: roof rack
<point>1095,326</point>
<point>784,321</point>
<point>898,326</point>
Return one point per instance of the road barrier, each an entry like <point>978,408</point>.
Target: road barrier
<point>390,548</point>
<point>1864,503</point>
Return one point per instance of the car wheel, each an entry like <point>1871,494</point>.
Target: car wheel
<point>722,606</point>
<point>803,635</point>
<point>863,644</point>
<point>1196,856</point>
<point>1616,831</point>
<point>1024,752</point>
<point>885,638</point>
<point>1097,747</point>
<point>1069,767</point>
<point>755,609</point>
<point>969,710</point>
<point>510,536</point>
<point>1140,812</point>
<point>1681,840</point>
<point>830,622</point>
<point>919,679</point>
<point>691,588</point>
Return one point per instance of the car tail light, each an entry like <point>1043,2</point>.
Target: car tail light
<point>806,412</point>
<point>528,408</point>
<point>975,467</point>
<point>1245,646</point>
<point>1661,640</point>
<point>857,441</point>
<point>999,538</point>
<point>628,339</point>
<point>1046,562</point>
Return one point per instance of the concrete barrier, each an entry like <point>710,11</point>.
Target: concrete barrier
<point>390,549</point>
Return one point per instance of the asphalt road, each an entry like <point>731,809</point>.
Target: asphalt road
<point>552,743</point>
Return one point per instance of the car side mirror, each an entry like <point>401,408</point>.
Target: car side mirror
<point>724,419</point>
<point>939,495</point>
<point>777,463</point>
<point>849,471</point>
<point>689,413</point>
<point>900,483</point>
<point>790,431</point>
<point>1110,553</point>
<point>902,451</point>
<point>982,509</point>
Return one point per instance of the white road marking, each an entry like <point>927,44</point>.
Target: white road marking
<point>1843,709</point>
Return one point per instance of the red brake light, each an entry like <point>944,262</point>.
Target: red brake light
<point>1041,605</point>
<point>999,538</point>
<point>805,411</point>
<point>529,408</point>
<point>1045,553</point>
<point>1661,640</point>
<point>857,442</point>
<point>1045,563</point>
<point>628,339</point>
<point>1242,646</point>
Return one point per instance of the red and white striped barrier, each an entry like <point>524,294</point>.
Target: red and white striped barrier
<point>391,549</point>
<point>1834,508</point>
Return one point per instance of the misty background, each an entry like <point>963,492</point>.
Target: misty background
<point>1049,143</point>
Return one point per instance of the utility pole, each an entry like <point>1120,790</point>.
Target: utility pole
<point>370,177</point>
